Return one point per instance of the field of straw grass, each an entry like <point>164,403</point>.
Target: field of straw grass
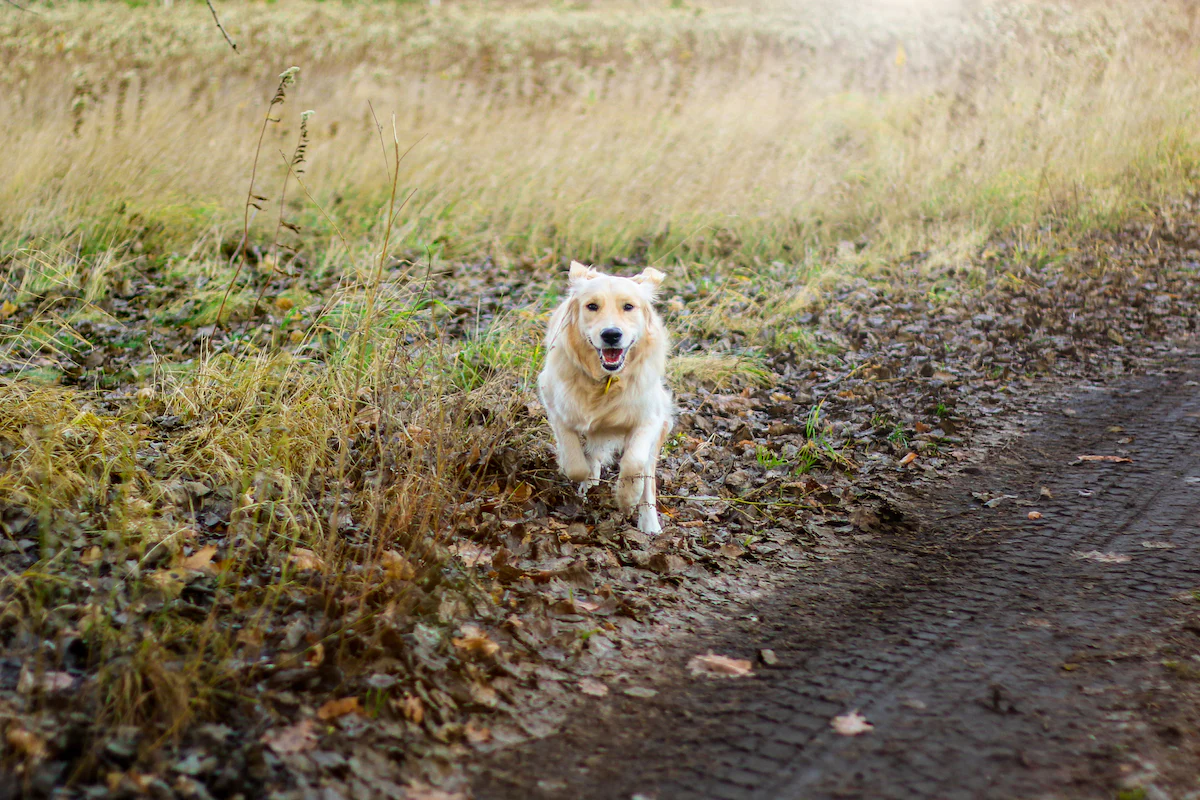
<point>260,360</point>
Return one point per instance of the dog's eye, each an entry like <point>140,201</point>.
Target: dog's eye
<point>629,306</point>
<point>593,307</point>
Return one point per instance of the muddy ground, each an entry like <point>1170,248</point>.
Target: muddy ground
<point>994,654</point>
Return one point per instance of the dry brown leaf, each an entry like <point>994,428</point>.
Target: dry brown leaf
<point>201,560</point>
<point>90,556</point>
<point>1034,515</point>
<point>412,708</point>
<point>251,637</point>
<point>305,559</point>
<point>908,459</point>
<point>475,642</point>
<point>338,708</point>
<point>1110,459</point>
<point>484,695</point>
<point>419,435</point>
<point>471,554</point>
<point>30,681</point>
<point>422,791</point>
<point>711,665</point>
<point>731,550</point>
<point>7,309</point>
<point>26,744</point>
<point>168,581</point>
<point>476,732</point>
<point>851,724</point>
<point>293,739</point>
<point>1102,558</point>
<point>521,493</point>
<point>397,567</point>
<point>593,687</point>
<point>316,655</point>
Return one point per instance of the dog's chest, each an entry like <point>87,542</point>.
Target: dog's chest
<point>614,409</point>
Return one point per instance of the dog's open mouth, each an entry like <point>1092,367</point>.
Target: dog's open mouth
<point>612,358</point>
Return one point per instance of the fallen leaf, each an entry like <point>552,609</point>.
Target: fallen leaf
<point>305,559</point>
<point>1034,515</point>
<point>908,459</point>
<point>1158,545</point>
<point>1103,558</point>
<point>768,657</point>
<point>396,566</point>
<point>422,791</point>
<point>593,687</point>
<point>338,708</point>
<point>292,739</point>
<point>471,554</point>
<point>168,581</point>
<point>7,309</point>
<point>26,744</point>
<point>412,708</point>
<point>643,692</point>
<point>475,642</point>
<point>1046,493</point>
<point>1109,459</point>
<point>316,655</point>
<point>201,560</point>
<point>484,695</point>
<point>731,550</point>
<point>712,665</point>
<point>476,732</point>
<point>921,427</point>
<point>851,724</point>
<point>521,493</point>
<point>48,682</point>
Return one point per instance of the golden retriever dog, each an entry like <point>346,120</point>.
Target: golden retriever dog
<point>603,385</point>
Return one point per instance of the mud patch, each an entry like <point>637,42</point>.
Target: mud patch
<point>991,660</point>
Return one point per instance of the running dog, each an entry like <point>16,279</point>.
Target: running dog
<point>603,385</point>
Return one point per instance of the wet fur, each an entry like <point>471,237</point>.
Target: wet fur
<point>633,417</point>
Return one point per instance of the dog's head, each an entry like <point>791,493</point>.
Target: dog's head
<point>609,315</point>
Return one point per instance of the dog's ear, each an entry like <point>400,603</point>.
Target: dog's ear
<point>578,274</point>
<point>650,279</point>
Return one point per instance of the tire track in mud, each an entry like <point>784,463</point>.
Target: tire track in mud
<point>992,660</point>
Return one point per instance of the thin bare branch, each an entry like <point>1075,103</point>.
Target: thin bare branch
<point>216,19</point>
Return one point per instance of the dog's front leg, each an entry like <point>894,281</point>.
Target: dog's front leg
<point>571,458</point>
<point>637,468</point>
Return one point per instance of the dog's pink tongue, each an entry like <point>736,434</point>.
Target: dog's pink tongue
<point>611,355</point>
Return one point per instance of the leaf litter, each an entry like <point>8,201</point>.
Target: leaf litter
<point>759,475</point>
<point>711,665</point>
<point>851,724</point>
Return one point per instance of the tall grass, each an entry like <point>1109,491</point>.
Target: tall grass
<point>601,135</point>
<point>342,431</point>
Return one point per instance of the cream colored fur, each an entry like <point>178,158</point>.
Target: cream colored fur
<point>596,412</point>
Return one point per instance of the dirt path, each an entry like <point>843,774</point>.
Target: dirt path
<point>992,659</point>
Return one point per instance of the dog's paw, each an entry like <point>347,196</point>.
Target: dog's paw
<point>577,472</point>
<point>629,492</point>
<point>586,485</point>
<point>648,520</point>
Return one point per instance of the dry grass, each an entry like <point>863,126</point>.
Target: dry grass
<point>757,155</point>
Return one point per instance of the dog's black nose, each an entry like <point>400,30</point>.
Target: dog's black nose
<point>611,336</point>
